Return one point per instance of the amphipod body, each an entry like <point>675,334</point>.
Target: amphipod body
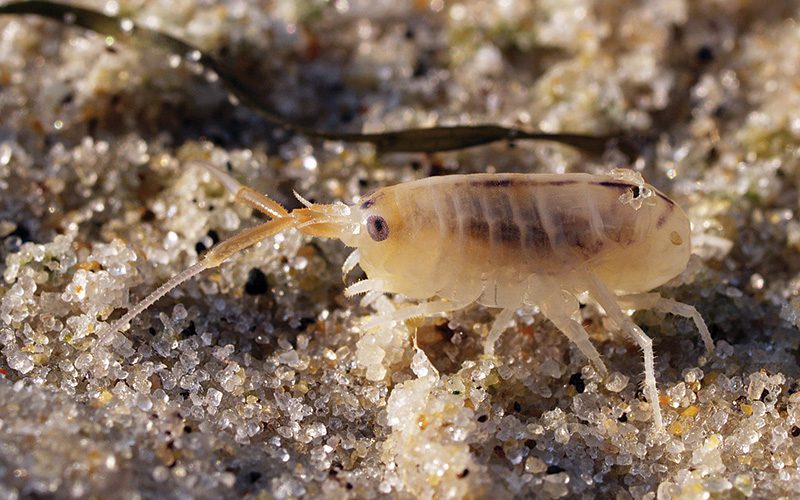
<point>484,237</point>
<point>503,240</point>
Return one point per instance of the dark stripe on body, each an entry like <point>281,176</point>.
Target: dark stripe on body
<point>535,236</point>
<point>662,219</point>
<point>624,186</point>
<point>451,213</point>
<point>506,182</point>
<point>494,183</point>
<point>614,184</point>
<point>371,199</point>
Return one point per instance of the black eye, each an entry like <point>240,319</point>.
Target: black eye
<point>377,228</point>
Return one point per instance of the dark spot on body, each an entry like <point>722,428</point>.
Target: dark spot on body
<point>576,232</point>
<point>507,232</point>
<point>591,246</point>
<point>483,418</point>
<point>536,237</point>
<point>463,474</point>
<point>795,431</point>
<point>565,182</point>
<point>367,204</point>
<point>256,283</point>
<point>478,228</point>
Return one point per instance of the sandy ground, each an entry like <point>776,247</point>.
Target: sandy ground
<point>255,378</point>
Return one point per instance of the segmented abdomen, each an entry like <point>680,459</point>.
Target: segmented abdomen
<point>526,219</point>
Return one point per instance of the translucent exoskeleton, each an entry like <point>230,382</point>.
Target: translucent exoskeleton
<point>502,240</point>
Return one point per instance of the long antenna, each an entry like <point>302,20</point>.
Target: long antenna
<point>106,335</point>
<point>216,256</point>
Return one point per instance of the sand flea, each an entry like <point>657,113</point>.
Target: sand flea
<point>502,240</point>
